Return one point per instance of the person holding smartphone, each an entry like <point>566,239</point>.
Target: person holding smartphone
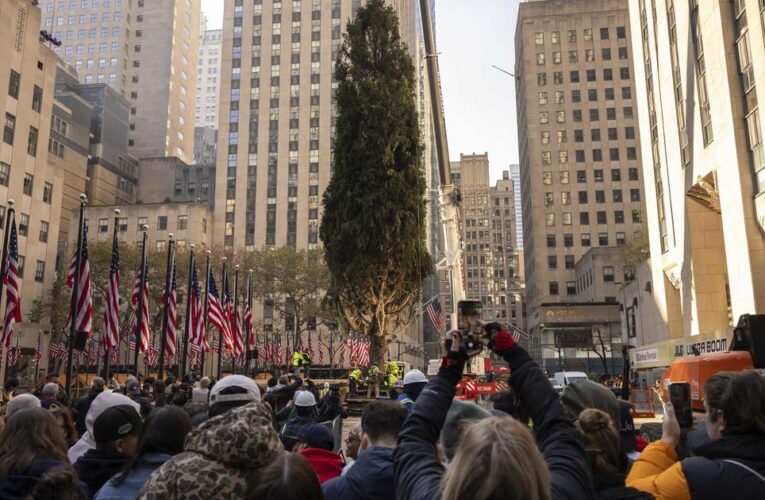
<point>496,457</point>
<point>730,465</point>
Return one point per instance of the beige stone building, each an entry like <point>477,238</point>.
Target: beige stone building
<point>579,143</point>
<point>147,51</point>
<point>208,78</point>
<point>27,82</point>
<point>703,65</point>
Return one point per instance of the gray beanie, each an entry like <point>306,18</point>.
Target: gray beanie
<point>460,413</point>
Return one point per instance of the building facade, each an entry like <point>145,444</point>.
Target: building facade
<point>579,143</point>
<point>208,78</point>
<point>166,180</point>
<point>27,83</point>
<point>706,211</point>
<point>104,41</point>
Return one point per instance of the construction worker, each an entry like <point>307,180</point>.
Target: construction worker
<point>353,380</point>
<point>391,374</point>
<point>373,381</point>
<point>297,362</point>
<point>305,363</point>
<point>414,382</point>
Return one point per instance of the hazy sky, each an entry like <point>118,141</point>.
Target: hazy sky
<point>479,100</point>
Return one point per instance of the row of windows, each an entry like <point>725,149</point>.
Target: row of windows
<point>84,4</point>
<point>182,223</point>
<point>583,197</point>
<point>568,220</point>
<point>590,74</point>
<point>605,34</point>
<point>589,55</point>
<point>576,115</point>
<point>14,87</point>
<point>585,240</point>
<point>9,134</point>
<point>597,155</point>
<point>576,95</point>
<point>612,134</point>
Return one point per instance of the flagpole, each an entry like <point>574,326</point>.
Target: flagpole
<point>4,265</point>
<point>75,293</point>
<point>38,354</point>
<point>204,314</point>
<point>237,326</point>
<point>163,336</point>
<point>250,328</point>
<point>103,332</point>
<point>139,312</point>
<point>220,333</point>
<point>187,325</point>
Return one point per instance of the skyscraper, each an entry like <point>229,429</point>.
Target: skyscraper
<point>515,176</point>
<point>208,78</point>
<point>579,142</point>
<point>145,50</point>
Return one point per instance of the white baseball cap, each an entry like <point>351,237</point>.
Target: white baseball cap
<point>305,398</point>
<point>414,377</point>
<point>252,393</point>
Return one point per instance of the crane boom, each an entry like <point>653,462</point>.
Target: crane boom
<point>448,196</point>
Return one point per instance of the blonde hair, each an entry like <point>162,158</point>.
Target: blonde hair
<point>602,444</point>
<point>497,457</point>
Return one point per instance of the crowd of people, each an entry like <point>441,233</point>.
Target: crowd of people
<point>201,438</point>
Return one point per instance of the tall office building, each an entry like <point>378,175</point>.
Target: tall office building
<point>704,167</point>
<point>208,78</point>
<point>145,50</point>
<point>515,176</point>
<point>276,117</point>
<point>27,176</point>
<point>487,230</point>
<point>579,144</point>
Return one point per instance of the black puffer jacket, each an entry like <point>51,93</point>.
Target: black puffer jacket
<point>418,469</point>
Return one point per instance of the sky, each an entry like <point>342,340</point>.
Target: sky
<point>479,101</point>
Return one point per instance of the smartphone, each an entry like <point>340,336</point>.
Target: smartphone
<point>680,397</point>
<point>468,314</point>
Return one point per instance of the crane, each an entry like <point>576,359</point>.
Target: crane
<point>449,197</point>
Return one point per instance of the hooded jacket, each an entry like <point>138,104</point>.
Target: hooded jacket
<point>218,456</point>
<point>130,486</point>
<point>327,464</point>
<point>102,402</point>
<point>723,468</point>
<point>370,478</point>
<point>96,467</point>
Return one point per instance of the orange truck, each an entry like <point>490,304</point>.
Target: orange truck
<point>747,352</point>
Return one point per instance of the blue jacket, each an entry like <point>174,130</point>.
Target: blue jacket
<point>136,478</point>
<point>405,401</point>
<point>370,478</point>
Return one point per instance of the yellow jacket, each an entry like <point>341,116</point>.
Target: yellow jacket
<point>658,472</point>
<point>297,359</point>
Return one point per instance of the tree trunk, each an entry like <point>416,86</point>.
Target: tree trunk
<point>377,349</point>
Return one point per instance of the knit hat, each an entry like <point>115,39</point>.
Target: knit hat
<point>115,423</point>
<point>305,398</point>
<point>460,413</point>
<point>316,436</point>
<point>251,394</point>
<point>414,377</point>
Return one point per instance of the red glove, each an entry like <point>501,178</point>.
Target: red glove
<point>502,341</point>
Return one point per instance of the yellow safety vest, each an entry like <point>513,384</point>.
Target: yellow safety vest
<point>297,359</point>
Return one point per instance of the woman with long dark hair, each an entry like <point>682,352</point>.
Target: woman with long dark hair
<point>162,436</point>
<point>32,445</point>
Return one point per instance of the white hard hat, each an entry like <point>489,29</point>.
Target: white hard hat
<point>414,377</point>
<point>305,398</point>
<point>252,393</point>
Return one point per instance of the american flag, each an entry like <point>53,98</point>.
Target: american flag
<point>310,347</point>
<point>114,352</point>
<point>90,355</point>
<point>228,312</point>
<point>436,315</point>
<point>197,330</point>
<point>84,305</point>
<point>14,353</point>
<point>215,313</point>
<point>238,335</point>
<point>340,354</point>
<point>215,345</point>
<point>170,299</point>
<point>359,353</point>
<point>11,279</point>
<point>112,312</point>
<point>144,334</point>
<point>248,329</point>
<point>38,351</point>
<point>57,350</point>
<point>321,348</point>
<point>152,356</point>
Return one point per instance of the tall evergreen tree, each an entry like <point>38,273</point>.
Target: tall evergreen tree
<point>373,226</point>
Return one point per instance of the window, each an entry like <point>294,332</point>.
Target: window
<point>571,288</point>
<point>540,58</point>
<point>544,117</point>
<point>571,36</point>
<point>598,175</point>
<point>604,33</point>
<point>5,171</point>
<point>591,75</point>
<point>637,216</point>
<point>566,218</point>
<point>542,97</point>
<point>621,239</point>
<point>585,239</point>
<point>563,178</point>
<point>10,128</point>
<point>578,135</point>
<point>580,155</point>
<point>547,178</point>
<point>608,74</point>
<point>631,153</point>
<point>552,262</point>
<point>589,55</point>
<point>608,273</point>
<point>627,111</point>
<point>568,240</point>
<point>626,92</point>
<point>40,271</point>
<point>634,195</point>
<point>605,54</point>
<point>622,52</point>
<point>32,144</point>
<point>603,239</point>
<point>14,84</point>
<point>632,173</point>
<point>183,222</point>
<point>588,34</point>
<point>583,197</point>
<point>546,158</point>
<point>601,217</point>
<point>612,134</point>
<point>37,96</point>
<point>574,76</point>
<point>621,32</point>
<point>29,181</point>
<point>553,285</point>
<point>597,155</point>
<point>562,157</point>
<point>613,154</point>
<point>162,223</point>
<point>569,261</point>
<point>550,220</point>
<point>584,218</point>
<point>629,132</point>
<point>594,115</point>
<point>609,94</point>
<point>43,231</point>
<point>549,199</point>
<point>576,96</point>
<point>617,195</point>
<point>103,225</point>
<point>561,117</point>
<point>610,113</point>
<point>573,56</point>
<point>24,224</point>
<point>592,95</point>
<point>540,38</point>
<point>624,73</point>
<point>595,134</point>
<point>545,137</point>
<point>581,176</point>
<point>619,216</point>
<point>562,139</point>
<point>558,77</point>
<point>577,116</point>
<point>555,37</point>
